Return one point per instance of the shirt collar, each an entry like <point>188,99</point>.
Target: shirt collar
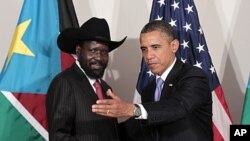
<point>166,72</point>
<point>91,81</point>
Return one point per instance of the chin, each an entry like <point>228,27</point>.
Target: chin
<point>97,74</point>
<point>153,71</point>
<point>156,72</point>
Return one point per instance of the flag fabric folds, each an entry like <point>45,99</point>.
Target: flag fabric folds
<point>245,118</point>
<point>32,62</point>
<point>183,17</point>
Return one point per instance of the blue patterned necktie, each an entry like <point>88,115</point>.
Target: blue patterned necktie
<point>159,83</point>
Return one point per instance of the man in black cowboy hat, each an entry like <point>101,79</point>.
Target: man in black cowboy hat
<point>72,92</point>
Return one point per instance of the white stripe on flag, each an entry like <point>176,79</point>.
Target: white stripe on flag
<point>137,97</point>
<point>220,118</point>
<point>22,110</point>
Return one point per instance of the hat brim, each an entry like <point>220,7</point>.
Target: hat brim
<point>68,39</point>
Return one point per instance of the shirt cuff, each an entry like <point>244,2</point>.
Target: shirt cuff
<point>144,114</point>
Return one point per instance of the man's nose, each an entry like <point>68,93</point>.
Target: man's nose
<point>149,55</point>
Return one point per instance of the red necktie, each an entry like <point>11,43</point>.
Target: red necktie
<point>98,89</point>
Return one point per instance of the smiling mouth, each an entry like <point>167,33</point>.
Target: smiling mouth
<point>96,66</point>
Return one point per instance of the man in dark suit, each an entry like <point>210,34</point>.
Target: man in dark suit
<point>72,92</point>
<point>177,106</point>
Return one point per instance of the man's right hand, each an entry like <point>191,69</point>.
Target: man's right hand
<point>114,107</point>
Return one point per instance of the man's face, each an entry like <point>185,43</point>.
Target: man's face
<point>93,57</point>
<point>158,51</point>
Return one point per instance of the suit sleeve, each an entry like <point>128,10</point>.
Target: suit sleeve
<point>132,130</point>
<point>60,111</point>
<point>190,93</point>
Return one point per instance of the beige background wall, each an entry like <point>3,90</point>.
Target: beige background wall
<point>225,24</point>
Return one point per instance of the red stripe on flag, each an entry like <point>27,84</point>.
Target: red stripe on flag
<point>217,135</point>
<point>35,104</point>
<point>220,94</point>
<point>66,60</point>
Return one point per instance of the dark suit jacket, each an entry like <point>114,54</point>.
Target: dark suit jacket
<point>184,112</point>
<point>68,106</point>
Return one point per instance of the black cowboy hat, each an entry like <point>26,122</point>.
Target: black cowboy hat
<point>94,29</point>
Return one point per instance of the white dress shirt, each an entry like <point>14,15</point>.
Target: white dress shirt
<point>144,114</point>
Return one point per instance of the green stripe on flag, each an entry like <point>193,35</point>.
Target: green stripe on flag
<point>11,121</point>
<point>245,119</point>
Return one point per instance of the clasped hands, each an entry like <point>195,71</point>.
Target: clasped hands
<point>114,107</point>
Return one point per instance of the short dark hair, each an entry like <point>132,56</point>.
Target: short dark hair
<point>161,26</point>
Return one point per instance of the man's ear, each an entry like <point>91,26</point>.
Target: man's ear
<point>78,51</point>
<point>175,45</point>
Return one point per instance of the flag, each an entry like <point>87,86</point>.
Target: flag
<point>32,62</point>
<point>183,17</point>
<point>245,118</point>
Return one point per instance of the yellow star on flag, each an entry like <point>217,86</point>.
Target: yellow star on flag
<point>17,45</point>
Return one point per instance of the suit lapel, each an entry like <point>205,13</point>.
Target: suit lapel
<point>105,87</point>
<point>148,92</point>
<point>171,79</point>
<point>87,87</point>
<point>84,84</point>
